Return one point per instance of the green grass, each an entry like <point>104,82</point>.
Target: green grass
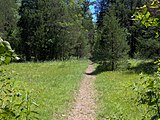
<point>52,83</point>
<point>115,97</point>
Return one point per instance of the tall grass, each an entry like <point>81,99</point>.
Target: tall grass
<point>115,97</point>
<point>52,84</point>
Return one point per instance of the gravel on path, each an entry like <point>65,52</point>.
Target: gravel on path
<point>84,106</point>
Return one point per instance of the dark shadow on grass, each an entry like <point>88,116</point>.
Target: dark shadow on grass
<point>144,67</point>
<point>99,69</point>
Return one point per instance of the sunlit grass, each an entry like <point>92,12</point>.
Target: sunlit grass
<point>115,95</point>
<point>52,84</point>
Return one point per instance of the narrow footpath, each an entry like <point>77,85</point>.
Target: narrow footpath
<point>84,106</point>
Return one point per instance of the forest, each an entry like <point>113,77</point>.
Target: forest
<point>37,31</point>
<point>106,51</point>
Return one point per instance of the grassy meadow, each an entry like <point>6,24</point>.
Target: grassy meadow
<point>52,84</point>
<point>115,96</point>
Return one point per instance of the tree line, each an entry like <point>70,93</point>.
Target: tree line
<point>46,29</point>
<point>58,30</point>
<point>119,36</point>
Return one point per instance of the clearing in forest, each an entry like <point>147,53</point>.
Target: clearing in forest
<point>52,84</point>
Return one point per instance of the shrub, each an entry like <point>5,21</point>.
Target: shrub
<point>148,93</point>
<point>15,102</point>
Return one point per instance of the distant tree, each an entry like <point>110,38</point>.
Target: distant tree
<point>123,10</point>
<point>8,19</point>
<point>148,38</point>
<point>87,23</point>
<point>54,42</point>
<point>59,32</point>
<point>43,29</point>
<point>112,42</point>
<point>147,46</point>
<point>28,24</point>
<point>101,7</point>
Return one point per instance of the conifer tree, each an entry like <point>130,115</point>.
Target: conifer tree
<point>123,10</point>
<point>59,32</point>
<point>112,44</point>
<point>28,24</point>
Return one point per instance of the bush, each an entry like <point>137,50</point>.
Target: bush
<point>15,102</point>
<point>148,93</point>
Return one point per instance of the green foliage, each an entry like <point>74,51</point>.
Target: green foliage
<point>58,32</point>
<point>6,52</point>
<point>147,47</point>
<point>111,45</point>
<point>144,16</point>
<point>148,93</point>
<point>8,18</point>
<point>148,90</point>
<point>148,15</point>
<point>15,103</point>
<point>123,10</point>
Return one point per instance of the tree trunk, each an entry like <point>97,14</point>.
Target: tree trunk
<point>112,61</point>
<point>112,65</point>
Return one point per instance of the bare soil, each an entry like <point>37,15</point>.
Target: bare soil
<point>84,106</point>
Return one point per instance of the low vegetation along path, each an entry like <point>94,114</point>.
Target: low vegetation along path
<point>84,106</point>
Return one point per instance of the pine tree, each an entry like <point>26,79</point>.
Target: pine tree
<point>123,9</point>
<point>59,32</point>
<point>87,23</point>
<point>111,45</point>
<point>147,45</point>
<point>28,24</point>
<point>81,28</point>
<point>42,29</point>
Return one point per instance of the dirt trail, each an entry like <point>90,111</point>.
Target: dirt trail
<point>84,106</point>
